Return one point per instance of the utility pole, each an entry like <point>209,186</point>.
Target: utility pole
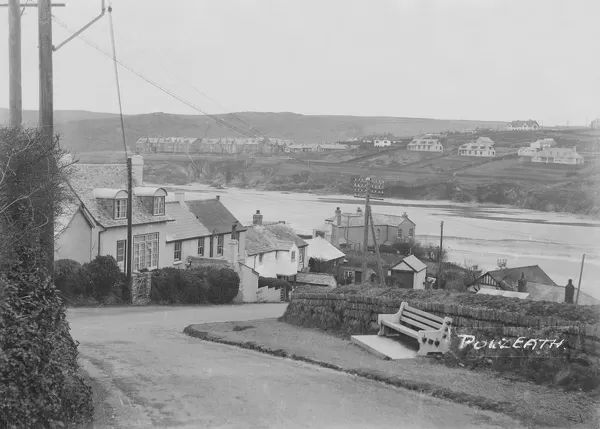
<point>14,61</point>
<point>379,265</point>
<point>439,276</point>
<point>129,248</point>
<point>363,188</point>
<point>580,276</point>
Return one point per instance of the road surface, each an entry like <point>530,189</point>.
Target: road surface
<point>153,376</point>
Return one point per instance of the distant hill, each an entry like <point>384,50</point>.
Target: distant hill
<point>84,131</point>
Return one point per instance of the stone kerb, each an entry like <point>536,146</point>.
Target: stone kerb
<point>141,285</point>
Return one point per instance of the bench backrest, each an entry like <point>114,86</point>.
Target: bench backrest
<point>420,319</point>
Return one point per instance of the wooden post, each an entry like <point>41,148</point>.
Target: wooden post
<point>439,275</point>
<point>129,247</point>
<point>46,120</point>
<point>379,265</point>
<point>14,61</point>
<point>366,231</point>
<point>579,283</point>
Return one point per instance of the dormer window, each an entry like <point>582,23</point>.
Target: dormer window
<point>121,208</point>
<point>159,206</point>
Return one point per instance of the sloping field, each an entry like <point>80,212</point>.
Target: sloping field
<point>513,169</point>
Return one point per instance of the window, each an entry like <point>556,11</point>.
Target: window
<point>220,245</point>
<point>293,256</point>
<point>260,258</point>
<point>411,232</point>
<point>121,249</point>
<point>145,251</point>
<point>399,232</point>
<point>301,255</point>
<point>201,246</point>
<point>120,208</point>
<point>212,246</point>
<point>378,233</point>
<point>159,206</point>
<point>177,252</point>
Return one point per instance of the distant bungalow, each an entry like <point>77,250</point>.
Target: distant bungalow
<point>529,125</point>
<point>425,145</point>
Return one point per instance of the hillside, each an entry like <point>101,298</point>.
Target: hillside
<point>85,131</point>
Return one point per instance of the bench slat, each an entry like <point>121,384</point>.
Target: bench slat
<point>422,326</point>
<point>431,324</point>
<point>424,314</point>
<point>402,329</point>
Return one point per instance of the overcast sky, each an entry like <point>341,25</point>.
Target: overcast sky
<point>451,59</point>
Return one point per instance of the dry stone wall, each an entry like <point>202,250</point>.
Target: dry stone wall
<point>355,314</point>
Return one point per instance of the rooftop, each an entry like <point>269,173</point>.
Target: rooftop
<point>320,279</point>
<point>271,238</point>
<point>185,226</point>
<point>214,215</point>
<point>319,248</point>
<point>358,220</point>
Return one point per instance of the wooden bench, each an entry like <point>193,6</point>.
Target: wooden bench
<point>432,332</point>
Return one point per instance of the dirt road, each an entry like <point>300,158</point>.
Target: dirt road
<point>153,376</point>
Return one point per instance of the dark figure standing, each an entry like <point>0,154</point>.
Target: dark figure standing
<point>569,292</point>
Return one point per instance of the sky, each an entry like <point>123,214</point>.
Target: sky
<point>496,60</point>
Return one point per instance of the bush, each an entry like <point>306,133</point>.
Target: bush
<point>66,277</point>
<point>39,379</point>
<point>224,285</point>
<point>100,276</point>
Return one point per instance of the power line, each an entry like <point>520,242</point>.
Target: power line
<point>114,50</point>
<point>151,82</point>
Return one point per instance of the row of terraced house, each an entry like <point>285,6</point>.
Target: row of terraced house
<point>225,145</point>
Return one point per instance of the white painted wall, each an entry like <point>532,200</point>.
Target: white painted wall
<point>275,263</point>
<point>419,280</point>
<point>266,294</point>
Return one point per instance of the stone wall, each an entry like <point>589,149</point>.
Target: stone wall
<point>356,314</point>
<point>141,286</point>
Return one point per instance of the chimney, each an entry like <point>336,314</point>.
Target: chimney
<point>569,292</point>
<point>233,253</point>
<point>137,170</point>
<point>358,210</point>
<point>218,198</point>
<point>234,231</point>
<point>257,218</point>
<point>180,196</point>
<point>404,215</point>
<point>522,284</point>
<point>338,216</point>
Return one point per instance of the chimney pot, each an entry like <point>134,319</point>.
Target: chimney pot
<point>569,292</point>
<point>218,198</point>
<point>257,218</point>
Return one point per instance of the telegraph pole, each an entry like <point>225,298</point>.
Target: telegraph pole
<point>14,61</point>
<point>363,188</point>
<point>439,282</point>
<point>580,275</point>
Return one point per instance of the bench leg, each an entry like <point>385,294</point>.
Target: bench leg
<point>433,342</point>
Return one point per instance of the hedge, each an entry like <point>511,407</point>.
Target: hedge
<point>40,383</point>
<point>215,285</point>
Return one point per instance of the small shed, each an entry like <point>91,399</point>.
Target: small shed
<point>409,273</point>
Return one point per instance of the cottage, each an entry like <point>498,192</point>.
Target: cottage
<point>565,156</point>
<point>483,147</point>
<point>425,145</point>
<point>274,250</point>
<point>96,220</point>
<point>410,273</point>
<point>347,229</point>
<point>508,278</point>
<point>322,255</point>
<point>529,125</point>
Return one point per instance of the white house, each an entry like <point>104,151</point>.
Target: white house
<point>543,143</point>
<point>274,250</point>
<point>529,125</point>
<point>425,145</point>
<point>527,151</point>
<point>409,273</point>
<point>568,156</point>
<point>384,141</point>
<point>484,146</point>
<point>95,222</point>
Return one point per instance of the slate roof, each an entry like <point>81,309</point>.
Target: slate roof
<point>358,219</point>
<point>185,226</point>
<point>529,123</point>
<point>413,262</point>
<point>214,215</point>
<point>545,292</point>
<point>319,279</point>
<point>86,177</point>
<point>533,273</point>
<point>271,238</point>
<point>320,248</point>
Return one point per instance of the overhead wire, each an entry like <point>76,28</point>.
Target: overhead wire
<point>166,91</point>
<point>114,50</point>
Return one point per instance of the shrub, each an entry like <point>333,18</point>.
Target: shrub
<point>39,379</point>
<point>66,277</point>
<point>224,285</point>
<point>102,274</point>
<point>174,286</point>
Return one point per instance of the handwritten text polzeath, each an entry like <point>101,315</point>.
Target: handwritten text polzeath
<point>507,343</point>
